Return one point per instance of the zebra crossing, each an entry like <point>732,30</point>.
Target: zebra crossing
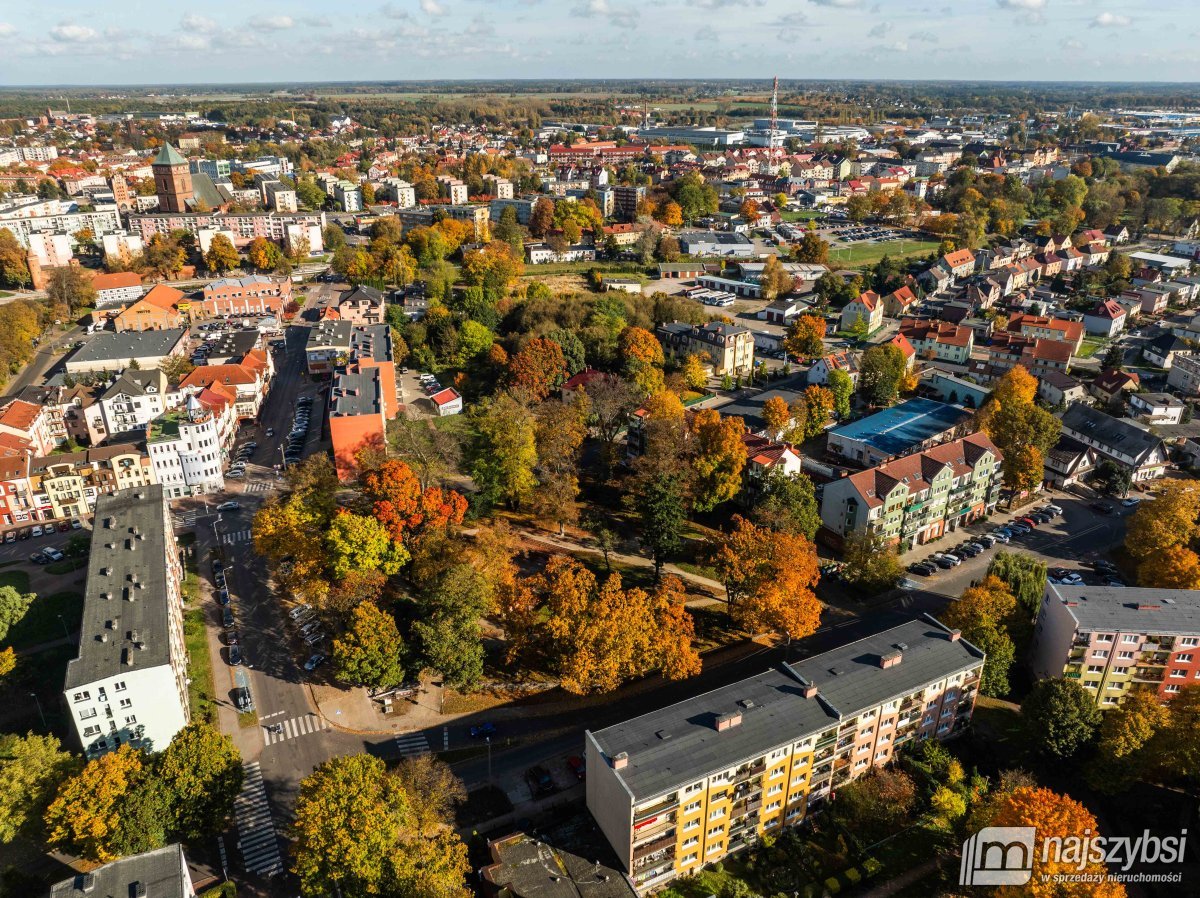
<point>259,486</point>
<point>237,536</point>
<point>294,728</point>
<point>185,518</point>
<point>412,745</point>
<point>256,832</point>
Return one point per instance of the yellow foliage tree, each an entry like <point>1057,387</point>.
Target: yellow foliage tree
<point>720,456</point>
<point>85,816</point>
<point>776,415</point>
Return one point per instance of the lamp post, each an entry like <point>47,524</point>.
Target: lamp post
<point>37,701</point>
<point>66,632</point>
<point>488,740</point>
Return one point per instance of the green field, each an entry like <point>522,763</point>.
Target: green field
<point>802,215</point>
<point>870,253</point>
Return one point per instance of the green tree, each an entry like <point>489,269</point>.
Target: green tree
<point>1120,758</point>
<point>356,542</point>
<point>221,255</point>
<point>882,371</point>
<point>32,769</point>
<point>370,653</point>
<point>1060,717</point>
<point>787,502</point>
<point>448,630</point>
<point>987,614</point>
<point>842,386</point>
<point>871,562</point>
<point>1025,577</point>
<point>13,606</point>
<point>310,195</point>
<point>509,231</point>
<point>659,503</point>
<point>504,451</point>
<point>201,771</point>
<point>70,289</point>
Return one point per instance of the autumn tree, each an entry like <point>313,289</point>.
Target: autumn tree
<point>787,502</point>
<point>404,506</point>
<point>811,249</point>
<point>8,662</point>
<point>872,563</point>
<point>612,400</point>
<point>882,369</point>
<point>537,369</point>
<point>504,451</point>
<point>559,431</point>
<point>1025,577</point>
<point>818,402</point>
<point>370,653</point>
<point>1060,717</point>
<point>671,214</point>
<point>749,210</point>
<point>841,385</point>
<point>70,290</point>
<point>876,804</point>
<point>777,416</point>
<point>90,814</point>
<point>1121,757</point>
<point>264,254</point>
<point>694,374</point>
<point>494,267</point>
<point>1022,431</point>
<point>32,769</point>
<point>804,336</point>
<point>541,218</point>
<point>1160,534</point>
<point>201,774</point>
<point>987,614</point>
<point>221,256</point>
<point>13,606</point>
<point>769,576</point>
<point>718,460</point>
<point>642,359</point>
<point>775,280</point>
<point>359,542</point>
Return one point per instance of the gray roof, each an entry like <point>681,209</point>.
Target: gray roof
<point>356,393</point>
<point>161,872</point>
<point>128,541</point>
<point>1118,434</point>
<point>234,344</point>
<point>372,340</point>
<point>679,744</point>
<point>134,382</point>
<point>330,333</point>
<point>1132,609</point>
<point>750,408</point>
<point>109,346</point>
<point>567,859</point>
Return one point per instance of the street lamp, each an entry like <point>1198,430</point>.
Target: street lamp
<point>45,726</point>
<point>66,632</point>
<point>488,740</point>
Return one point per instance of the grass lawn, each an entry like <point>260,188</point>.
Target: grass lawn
<point>533,272</point>
<point>870,253</point>
<point>1091,345</point>
<point>41,622</point>
<point>201,692</point>
<point>802,215</point>
<point>18,580</point>
<point>67,565</point>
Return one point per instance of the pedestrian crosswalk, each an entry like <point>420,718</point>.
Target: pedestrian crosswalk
<point>293,728</point>
<point>256,833</point>
<point>259,486</point>
<point>412,745</point>
<point>237,536</point>
<point>185,518</point>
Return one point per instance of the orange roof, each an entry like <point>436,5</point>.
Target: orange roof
<point>216,396</point>
<point>904,295</point>
<point>117,280</point>
<point>870,299</point>
<point>210,375</point>
<point>164,297</point>
<point>959,257</point>
<point>1071,330</point>
<point>255,360</point>
<point>19,414</point>
<point>905,347</point>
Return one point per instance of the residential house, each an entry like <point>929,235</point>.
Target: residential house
<point>328,346</point>
<point>129,683</point>
<point>248,380</point>
<point>839,361</point>
<point>1119,440</point>
<point>447,402</point>
<point>66,485</point>
<point>960,263</point>
<point>765,456</point>
<point>362,305</point>
<point>1161,351</point>
<point>1059,389</point>
<point>899,302</point>
<point>729,349</point>
<point>1156,408</point>
<point>189,445</point>
<point>30,423</point>
<point>117,289</point>
<point>1113,641</point>
<point>158,310</point>
<point>1046,328</point>
<point>1185,373</point>
<point>1113,382</point>
<point>131,402</point>
<point>781,311</point>
<point>911,426</point>
<point>159,873</point>
<point>1037,356</point>
<point>868,307</point>
<point>254,295</point>
<point>544,253</point>
<point>939,340</point>
<point>1068,462</point>
<point>906,348</point>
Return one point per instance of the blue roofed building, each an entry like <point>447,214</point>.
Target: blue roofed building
<point>911,426</point>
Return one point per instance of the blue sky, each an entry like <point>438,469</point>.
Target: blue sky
<point>105,42</point>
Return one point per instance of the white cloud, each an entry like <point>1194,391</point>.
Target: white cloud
<point>845,4</point>
<point>316,21</point>
<point>432,8</point>
<point>272,23</point>
<point>879,30</point>
<point>7,28</point>
<point>191,42</point>
<point>1110,20</point>
<point>925,37</point>
<point>70,33</point>
<point>1070,43</point>
<point>199,24</point>
<point>1022,4</point>
<point>717,4</point>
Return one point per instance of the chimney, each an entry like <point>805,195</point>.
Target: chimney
<point>891,659</point>
<point>728,721</point>
<point>620,760</point>
<point>810,691</point>
<point>955,635</point>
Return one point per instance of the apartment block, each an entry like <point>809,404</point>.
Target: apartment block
<point>917,498</point>
<point>161,873</point>
<point>727,348</point>
<point>1115,641</point>
<point>452,189</point>
<point>129,681</point>
<point>188,446</point>
<point>690,784</point>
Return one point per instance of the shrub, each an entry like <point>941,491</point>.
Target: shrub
<point>833,885</point>
<point>853,876</point>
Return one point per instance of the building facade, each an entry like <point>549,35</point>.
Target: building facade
<point>729,349</point>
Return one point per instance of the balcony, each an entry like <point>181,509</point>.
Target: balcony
<point>648,848</point>
<point>1148,675</point>
<point>749,807</point>
<point>656,809</point>
<point>653,828</point>
<point>824,754</point>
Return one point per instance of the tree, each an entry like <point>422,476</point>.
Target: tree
<point>1021,430</point>
<point>32,769</point>
<point>1060,717</point>
<point>775,280</point>
<point>819,402</point>
<point>448,630</point>
<point>201,774</point>
<point>221,256</point>
<point>559,432</point>
<point>882,368</point>
<point>1173,752</point>
<point>842,386</point>
<point>13,606</point>
<point>537,369</point>
<point>876,804</point>
<point>405,506</point>
<point>718,460</point>
<point>613,400</point>
<point>659,503</point>
<point>264,254</point>
<point>70,289</point>
<point>1120,757</point>
<point>14,271</point>
<point>787,502</point>
<point>987,615</point>
<point>8,662</point>
<point>642,359</point>
<point>1177,568</point>
<point>858,207</point>
<point>370,653</point>
<point>871,562</point>
<point>493,267</point>
<point>776,415</point>
<point>811,249</point>
<point>1113,478</point>
<point>671,214</point>
<point>805,336</point>
<point>769,576</point>
<point>694,374</point>
<point>432,453</point>
<point>749,210</point>
<point>357,542</point>
<point>1114,358</point>
<point>541,218</point>
<point>86,815</point>
<point>1163,530</point>
<point>1025,577</point>
<point>504,451</point>
<point>508,230</point>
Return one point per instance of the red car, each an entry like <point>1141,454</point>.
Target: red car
<point>1030,522</point>
<point>577,766</point>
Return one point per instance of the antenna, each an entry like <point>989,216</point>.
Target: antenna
<point>774,108</point>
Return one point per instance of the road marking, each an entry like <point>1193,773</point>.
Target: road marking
<point>256,832</point>
<point>294,728</point>
<point>185,518</point>
<point>412,745</point>
<point>269,716</point>
<point>445,738</point>
<point>238,536</point>
<point>259,486</point>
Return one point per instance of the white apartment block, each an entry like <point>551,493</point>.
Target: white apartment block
<point>398,191</point>
<point>129,681</point>
<point>188,447</point>
<point>57,217</point>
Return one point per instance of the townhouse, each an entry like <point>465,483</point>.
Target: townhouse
<point>117,289</point>
<point>939,340</point>
<point>188,446</point>
<point>31,423</point>
<point>1119,440</point>
<point>690,784</point>
<point>899,302</point>
<point>362,305</point>
<point>1037,356</point>
<point>1185,373</point>
<point>868,307</point>
<point>249,381</point>
<point>1046,328</point>
<point>917,498</point>
<point>66,485</point>
<point>1116,640</point>
<point>128,683</point>
<point>729,349</point>
<point>131,402</point>
<point>1106,319</point>
<point>254,295</point>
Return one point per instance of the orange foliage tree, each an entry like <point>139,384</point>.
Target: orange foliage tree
<point>642,358</point>
<point>720,456</point>
<point>776,415</point>
<point>537,369</point>
<point>403,507</point>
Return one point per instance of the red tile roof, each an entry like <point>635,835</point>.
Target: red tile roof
<point>19,414</point>
<point>117,280</point>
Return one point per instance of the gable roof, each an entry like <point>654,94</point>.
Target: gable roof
<point>1112,379</point>
<point>917,470</point>
<point>207,375</point>
<point>1115,434</point>
<point>117,280</point>
<point>167,298</point>
<point>870,299</point>
<point>19,414</point>
<point>959,257</point>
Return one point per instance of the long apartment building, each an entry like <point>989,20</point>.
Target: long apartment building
<point>1114,641</point>
<point>690,784</point>
<point>917,498</point>
<point>129,681</point>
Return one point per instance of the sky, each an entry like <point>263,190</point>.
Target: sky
<point>103,42</point>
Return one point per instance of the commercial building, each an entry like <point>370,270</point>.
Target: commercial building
<point>254,295</point>
<point>912,425</point>
<point>1119,440</point>
<point>687,785</point>
<point>188,446</point>
<point>717,243</point>
<point>160,309</point>
<point>727,348</point>
<point>129,681</point>
<point>118,289</point>
<point>362,397</point>
<point>1115,640</point>
<point>108,351</point>
<point>66,485</point>
<point>917,498</point>
<point>161,873</point>
<point>327,346</point>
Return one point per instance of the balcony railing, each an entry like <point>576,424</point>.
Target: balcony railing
<point>667,841</point>
<point>656,809</point>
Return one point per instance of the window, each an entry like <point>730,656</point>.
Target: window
<point>1130,638</point>
<point>1100,653</point>
<point>778,772</point>
<point>81,696</point>
<point>1125,656</point>
<point>886,737</point>
<point>1188,641</point>
<point>859,765</point>
<point>1178,674</point>
<point>690,857</point>
<point>131,719</point>
<point>694,787</point>
<point>880,755</point>
<point>716,831</point>
<point>1095,668</point>
<point>1104,637</point>
<point>717,814</point>
<point>695,805</point>
<point>775,790</point>
<point>1172,689</point>
<point>87,713</point>
<point>91,731</point>
<point>713,849</point>
<point>688,843</point>
<point>690,825</point>
<point>1184,659</point>
<point>126,703</point>
<point>774,806</point>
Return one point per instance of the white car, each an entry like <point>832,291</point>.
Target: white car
<point>229,506</point>
<point>299,611</point>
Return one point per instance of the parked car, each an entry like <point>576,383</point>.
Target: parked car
<point>314,662</point>
<point>63,526</point>
<point>487,729</point>
<point>39,558</point>
<point>235,654</point>
<point>577,766</point>
<point>945,562</point>
<point>905,583</point>
<point>314,637</point>
<point>23,534</point>
<point>1020,527</point>
<point>311,626</point>
<point>227,617</point>
<point>11,536</point>
<point>1132,501</point>
<point>1027,521</point>
<point>222,596</point>
<point>76,524</point>
<point>229,506</point>
<point>923,568</point>
<point>987,541</point>
<point>540,781</point>
<point>1115,582</point>
<point>953,558</point>
<point>242,699</point>
<point>299,611</point>
<point>37,530</point>
<point>1054,509</point>
<point>270,431</point>
<point>53,554</point>
<point>1102,507</point>
<point>250,447</point>
<point>968,549</point>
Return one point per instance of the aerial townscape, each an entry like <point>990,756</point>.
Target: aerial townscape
<point>546,483</point>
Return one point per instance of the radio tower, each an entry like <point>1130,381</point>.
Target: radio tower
<point>774,106</point>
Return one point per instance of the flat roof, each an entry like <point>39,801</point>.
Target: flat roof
<point>358,392</point>
<point>679,744</point>
<point>161,872</point>
<point>567,859</point>
<point>1131,608</point>
<point>110,346</point>
<point>898,429</point>
<point>125,596</point>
